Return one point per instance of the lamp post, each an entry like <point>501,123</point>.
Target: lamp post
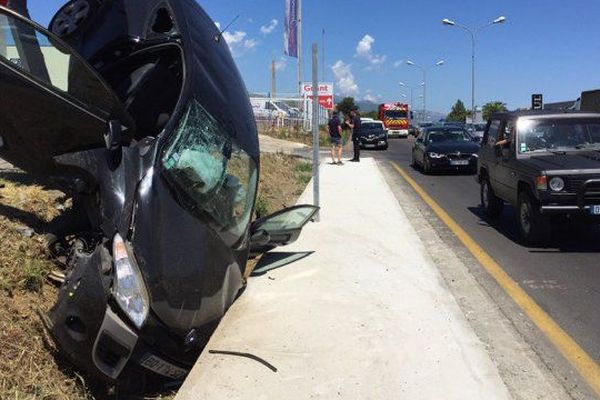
<point>424,70</point>
<point>473,33</point>
<point>411,88</point>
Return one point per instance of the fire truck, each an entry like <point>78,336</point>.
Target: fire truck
<point>395,118</point>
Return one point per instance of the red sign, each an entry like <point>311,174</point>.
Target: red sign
<point>4,3</point>
<point>325,94</point>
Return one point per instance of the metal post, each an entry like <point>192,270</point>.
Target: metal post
<point>473,111</point>
<point>299,32</point>
<point>423,119</point>
<point>315,126</point>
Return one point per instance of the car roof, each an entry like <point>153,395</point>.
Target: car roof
<point>545,114</point>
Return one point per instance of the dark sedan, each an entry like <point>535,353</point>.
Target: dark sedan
<point>445,148</point>
<point>373,135</point>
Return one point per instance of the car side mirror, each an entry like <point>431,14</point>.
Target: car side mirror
<point>260,238</point>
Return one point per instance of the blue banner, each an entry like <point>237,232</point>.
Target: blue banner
<point>290,33</point>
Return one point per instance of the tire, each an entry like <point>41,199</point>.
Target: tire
<point>426,167</point>
<point>72,16</point>
<point>491,203</point>
<point>533,226</point>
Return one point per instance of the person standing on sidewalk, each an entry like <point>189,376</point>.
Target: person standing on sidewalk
<point>335,138</point>
<point>355,125</point>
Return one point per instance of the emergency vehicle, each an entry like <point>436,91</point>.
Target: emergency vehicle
<point>395,118</point>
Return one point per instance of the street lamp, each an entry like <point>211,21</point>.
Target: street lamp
<point>473,32</point>
<point>424,70</point>
<point>411,88</point>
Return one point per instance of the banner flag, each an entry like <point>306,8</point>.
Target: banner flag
<point>290,33</point>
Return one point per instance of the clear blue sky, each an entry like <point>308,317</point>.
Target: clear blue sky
<point>546,46</point>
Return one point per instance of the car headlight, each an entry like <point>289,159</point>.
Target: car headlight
<point>475,155</point>
<point>129,289</point>
<point>435,155</point>
<point>557,184</point>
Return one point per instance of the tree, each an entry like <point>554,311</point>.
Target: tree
<point>371,114</point>
<point>493,107</point>
<point>346,105</point>
<point>459,113</point>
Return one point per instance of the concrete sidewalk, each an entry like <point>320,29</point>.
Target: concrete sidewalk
<point>366,316</point>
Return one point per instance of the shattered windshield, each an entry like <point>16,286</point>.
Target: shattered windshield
<point>540,135</point>
<point>218,178</point>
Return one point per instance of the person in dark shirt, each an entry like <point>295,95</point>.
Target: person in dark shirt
<point>355,124</point>
<point>335,138</point>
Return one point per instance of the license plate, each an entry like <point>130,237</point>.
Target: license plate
<point>162,367</point>
<point>459,162</point>
<point>368,146</point>
<point>595,210</point>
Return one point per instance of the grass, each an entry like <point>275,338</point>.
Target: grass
<point>30,366</point>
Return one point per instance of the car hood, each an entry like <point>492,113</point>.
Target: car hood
<point>453,147</point>
<point>570,162</point>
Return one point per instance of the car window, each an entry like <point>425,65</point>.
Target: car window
<point>548,134</point>
<point>215,177</point>
<point>44,59</point>
<point>493,133</point>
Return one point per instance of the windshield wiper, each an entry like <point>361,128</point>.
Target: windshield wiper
<point>593,147</point>
<point>557,152</point>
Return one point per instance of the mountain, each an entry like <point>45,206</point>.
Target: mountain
<point>366,106</point>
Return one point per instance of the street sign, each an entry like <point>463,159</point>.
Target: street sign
<point>325,94</point>
<point>537,102</point>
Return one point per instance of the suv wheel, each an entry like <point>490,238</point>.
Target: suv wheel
<point>492,204</point>
<point>533,226</point>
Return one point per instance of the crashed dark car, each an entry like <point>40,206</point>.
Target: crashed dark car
<point>137,110</point>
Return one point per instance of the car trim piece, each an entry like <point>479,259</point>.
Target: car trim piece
<point>117,330</point>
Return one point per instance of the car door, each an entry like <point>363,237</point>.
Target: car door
<point>279,229</point>
<point>53,102</point>
<point>506,172</point>
<point>489,154</point>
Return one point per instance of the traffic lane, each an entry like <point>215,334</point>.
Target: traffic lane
<point>563,278</point>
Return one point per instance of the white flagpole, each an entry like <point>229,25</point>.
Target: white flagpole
<point>299,33</point>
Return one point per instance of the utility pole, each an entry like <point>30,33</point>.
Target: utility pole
<point>299,32</point>
<point>273,80</point>
<point>315,126</point>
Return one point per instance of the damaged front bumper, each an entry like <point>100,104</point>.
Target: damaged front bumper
<point>91,329</point>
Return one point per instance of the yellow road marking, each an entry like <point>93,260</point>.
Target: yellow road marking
<point>576,355</point>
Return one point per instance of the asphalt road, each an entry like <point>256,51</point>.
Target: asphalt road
<point>562,277</point>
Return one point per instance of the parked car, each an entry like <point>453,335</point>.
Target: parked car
<point>422,126</point>
<point>373,135</point>
<point>544,164</point>
<point>413,130</point>
<point>476,131</point>
<point>445,148</point>
<point>142,117</point>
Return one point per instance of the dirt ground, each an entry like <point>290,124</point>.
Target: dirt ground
<point>30,366</point>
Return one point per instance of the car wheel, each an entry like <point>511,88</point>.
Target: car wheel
<point>492,204</point>
<point>533,226</point>
<point>385,147</point>
<point>72,16</point>
<point>426,167</point>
